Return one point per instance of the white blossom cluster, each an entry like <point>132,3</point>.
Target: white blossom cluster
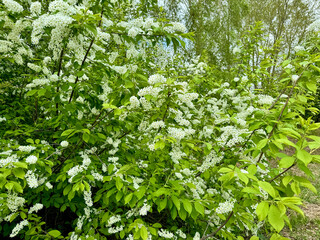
<point>210,161</point>
<point>35,8</point>
<point>113,219</point>
<point>165,233</point>
<point>26,148</point>
<point>79,168</point>
<point>225,207</point>
<point>13,6</point>
<point>156,78</point>
<point>265,99</point>
<point>153,91</point>
<point>14,202</point>
<point>31,159</point>
<point>144,209</point>
<point>19,227</point>
<point>32,179</point>
<point>35,208</point>
<point>87,198</point>
<point>175,27</point>
<point>7,162</point>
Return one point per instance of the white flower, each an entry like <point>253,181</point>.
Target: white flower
<point>156,78</point>
<point>35,208</point>
<point>144,210</point>
<point>165,233</point>
<point>87,198</point>
<point>134,31</point>
<point>13,6</point>
<point>114,219</point>
<point>49,185</point>
<point>134,101</point>
<point>265,99</point>
<point>19,227</point>
<point>225,207</point>
<point>298,48</point>
<point>64,144</point>
<point>236,50</point>
<point>31,159</point>
<point>196,236</point>
<point>31,179</point>
<point>294,78</point>
<point>35,8</point>
<point>2,119</point>
<point>26,148</point>
<point>14,202</point>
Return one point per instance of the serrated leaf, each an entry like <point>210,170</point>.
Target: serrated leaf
<point>176,202</point>
<point>199,208</point>
<point>286,162</point>
<point>304,156</point>
<point>262,143</point>
<point>275,219</point>
<point>187,205</point>
<point>268,188</point>
<point>262,210</point>
<point>128,198</point>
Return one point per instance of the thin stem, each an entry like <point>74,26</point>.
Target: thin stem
<point>59,72</point>
<point>282,173</point>
<point>282,111</point>
<point>82,63</point>
<point>222,225</point>
<point>85,58</point>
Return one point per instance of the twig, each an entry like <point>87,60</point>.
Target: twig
<point>222,225</point>
<point>282,111</point>
<point>282,173</point>
<point>85,58</point>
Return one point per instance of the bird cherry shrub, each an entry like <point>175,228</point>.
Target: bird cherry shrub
<point>108,133</point>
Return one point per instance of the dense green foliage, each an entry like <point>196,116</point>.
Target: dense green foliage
<point>107,132</point>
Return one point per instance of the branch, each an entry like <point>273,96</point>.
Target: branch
<point>282,173</point>
<point>222,225</point>
<point>282,111</point>
<point>85,58</point>
<point>59,71</point>
<point>82,63</point>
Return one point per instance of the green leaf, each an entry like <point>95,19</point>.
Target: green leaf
<point>128,84</point>
<point>160,144</point>
<point>86,137</point>
<point>32,92</point>
<point>199,208</point>
<point>128,198</point>
<point>275,219</point>
<point>295,208</point>
<point>286,180</point>
<point>160,192</point>
<point>312,86</point>
<point>262,143</point>
<point>304,156</point>
<point>286,162</point>
<point>67,132</point>
<point>157,225</point>
<point>54,233</point>
<point>187,205</point>
<point>18,172</point>
<point>182,213</point>
<point>144,233</point>
<point>254,238</point>
<point>268,188</point>
<point>262,210</point>
<point>119,183</point>
<point>176,202</point>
